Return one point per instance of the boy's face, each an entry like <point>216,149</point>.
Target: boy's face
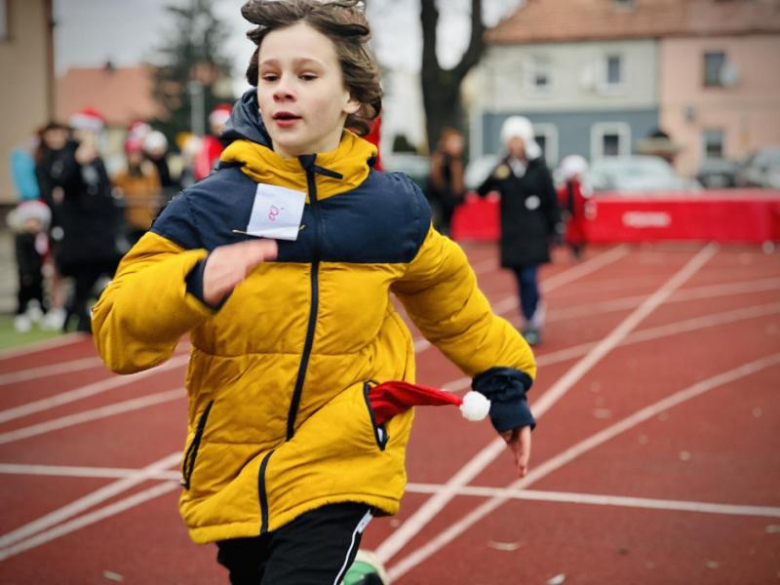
<point>301,92</point>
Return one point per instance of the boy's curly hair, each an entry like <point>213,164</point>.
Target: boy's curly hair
<point>345,24</point>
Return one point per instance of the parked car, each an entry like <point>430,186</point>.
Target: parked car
<point>637,174</point>
<point>761,169</point>
<point>717,173</point>
<point>416,166</point>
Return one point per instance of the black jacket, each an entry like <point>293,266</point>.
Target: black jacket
<point>529,212</point>
<point>87,213</point>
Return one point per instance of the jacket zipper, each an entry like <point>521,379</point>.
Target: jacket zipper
<point>296,398</point>
<point>262,494</point>
<point>188,464</point>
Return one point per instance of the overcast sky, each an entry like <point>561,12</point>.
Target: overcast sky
<point>91,32</point>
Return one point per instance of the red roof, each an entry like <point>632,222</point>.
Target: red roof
<point>581,20</point>
<point>121,94</point>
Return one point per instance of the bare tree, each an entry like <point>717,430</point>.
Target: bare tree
<point>441,87</point>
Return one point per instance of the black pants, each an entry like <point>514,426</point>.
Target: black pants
<point>316,548</point>
<point>528,288</point>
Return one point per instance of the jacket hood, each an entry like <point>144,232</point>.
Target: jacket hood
<point>245,122</point>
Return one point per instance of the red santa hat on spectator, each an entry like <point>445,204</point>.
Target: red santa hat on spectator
<point>391,398</point>
<point>87,119</point>
<point>220,115</point>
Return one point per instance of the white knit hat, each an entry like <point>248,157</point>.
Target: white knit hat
<point>573,165</point>
<point>521,127</point>
<point>87,119</point>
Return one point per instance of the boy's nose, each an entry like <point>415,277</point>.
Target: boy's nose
<point>282,93</point>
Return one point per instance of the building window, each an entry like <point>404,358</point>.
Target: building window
<point>546,136</point>
<point>3,20</point>
<point>614,70</point>
<point>541,77</point>
<point>610,139</point>
<point>713,143</point>
<point>714,62</point>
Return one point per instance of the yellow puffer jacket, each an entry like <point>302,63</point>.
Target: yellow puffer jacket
<point>279,422</point>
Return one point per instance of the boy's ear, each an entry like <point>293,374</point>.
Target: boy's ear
<point>352,106</point>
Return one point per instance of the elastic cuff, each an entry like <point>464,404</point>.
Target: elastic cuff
<point>195,285</point>
<point>506,389</point>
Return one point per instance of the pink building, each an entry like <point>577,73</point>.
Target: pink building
<point>720,80</point>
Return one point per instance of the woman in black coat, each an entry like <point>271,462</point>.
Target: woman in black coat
<point>530,218</point>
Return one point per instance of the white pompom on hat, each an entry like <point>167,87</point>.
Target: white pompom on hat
<point>573,165</point>
<point>391,398</point>
<point>521,127</point>
<point>87,119</point>
<point>155,142</point>
<point>220,114</point>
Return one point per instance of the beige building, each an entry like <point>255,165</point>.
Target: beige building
<point>27,90</point>
<point>720,80</point>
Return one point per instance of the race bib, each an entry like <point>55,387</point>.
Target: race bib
<point>276,213</point>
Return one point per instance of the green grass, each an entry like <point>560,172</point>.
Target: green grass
<point>9,337</point>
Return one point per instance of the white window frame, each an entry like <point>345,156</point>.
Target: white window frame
<point>613,88</point>
<point>550,133</point>
<point>704,155</point>
<point>600,129</point>
<point>534,65</point>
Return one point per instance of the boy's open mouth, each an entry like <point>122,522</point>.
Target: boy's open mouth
<point>285,116</point>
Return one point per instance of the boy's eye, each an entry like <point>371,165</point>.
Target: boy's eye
<point>270,77</point>
<point>308,76</point>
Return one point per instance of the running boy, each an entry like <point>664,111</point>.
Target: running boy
<point>280,266</point>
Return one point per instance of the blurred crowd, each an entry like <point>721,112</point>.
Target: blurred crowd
<point>81,208</point>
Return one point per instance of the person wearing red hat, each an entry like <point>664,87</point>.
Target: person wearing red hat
<point>139,186</point>
<point>282,267</point>
<point>211,147</point>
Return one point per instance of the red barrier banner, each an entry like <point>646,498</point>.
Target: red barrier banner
<point>735,215</point>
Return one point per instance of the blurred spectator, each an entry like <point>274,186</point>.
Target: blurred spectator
<point>54,138</point>
<point>139,186</point>
<point>445,182</point>
<point>30,221</point>
<point>210,146</point>
<point>156,150</point>
<point>375,138</point>
<point>529,216</point>
<point>572,197</point>
<point>23,170</point>
<point>90,219</point>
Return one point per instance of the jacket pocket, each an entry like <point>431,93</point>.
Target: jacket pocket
<point>191,454</point>
<point>380,431</point>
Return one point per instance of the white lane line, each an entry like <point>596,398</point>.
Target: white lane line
<point>43,345</point>
<point>572,453</point>
<point>86,502</point>
<point>65,367</point>
<point>474,467</point>
<point>87,519</point>
<point>702,292</point>
<point>50,370</point>
<point>662,331</point>
<point>89,390</point>
<point>432,488</point>
<point>604,500</point>
<point>91,415</point>
<point>79,471</point>
<point>423,515</point>
<point>556,281</point>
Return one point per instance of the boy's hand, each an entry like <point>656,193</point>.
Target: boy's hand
<point>519,442</point>
<point>229,265</point>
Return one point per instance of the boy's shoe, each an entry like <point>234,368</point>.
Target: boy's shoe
<point>22,323</point>
<point>366,570</point>
<point>34,311</point>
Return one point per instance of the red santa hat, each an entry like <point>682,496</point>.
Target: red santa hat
<point>220,115</point>
<point>391,398</point>
<point>87,119</point>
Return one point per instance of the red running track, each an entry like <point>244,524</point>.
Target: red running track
<point>655,459</point>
